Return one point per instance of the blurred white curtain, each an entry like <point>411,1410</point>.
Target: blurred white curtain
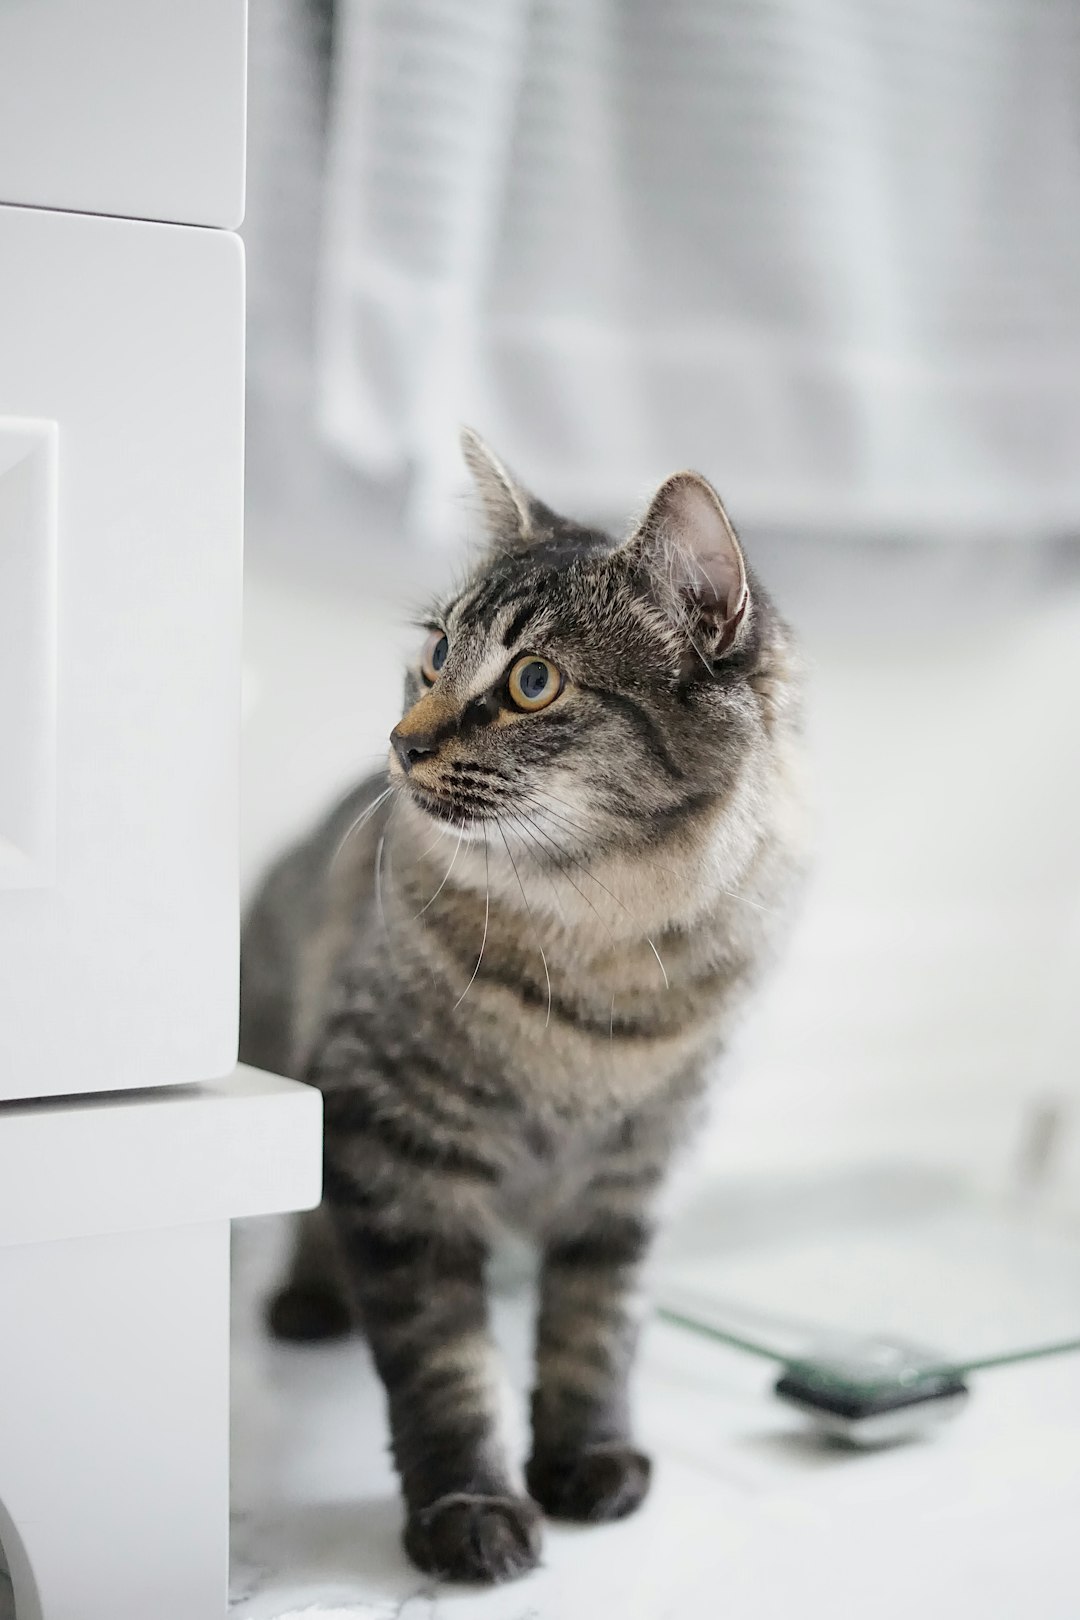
<point>827,249</point>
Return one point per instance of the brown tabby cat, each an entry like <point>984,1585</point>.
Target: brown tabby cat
<point>507,967</point>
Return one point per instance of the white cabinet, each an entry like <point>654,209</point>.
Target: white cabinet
<point>121,470</point>
<point>121,462</point>
<point>114,1356</point>
<point>131,107</point>
<point>27,652</point>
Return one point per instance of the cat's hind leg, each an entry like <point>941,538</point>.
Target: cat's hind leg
<point>313,1302</point>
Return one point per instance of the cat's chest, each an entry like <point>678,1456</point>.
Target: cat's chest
<point>586,1072</point>
<point>608,1036</point>
<point>552,1165</point>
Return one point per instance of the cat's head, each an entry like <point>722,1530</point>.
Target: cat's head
<point>580,691</point>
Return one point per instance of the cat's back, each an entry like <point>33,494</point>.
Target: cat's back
<point>293,909</point>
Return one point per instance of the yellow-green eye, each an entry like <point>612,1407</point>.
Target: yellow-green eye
<point>533,683</point>
<point>433,656</point>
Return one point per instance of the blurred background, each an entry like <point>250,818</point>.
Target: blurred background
<point>827,252</point>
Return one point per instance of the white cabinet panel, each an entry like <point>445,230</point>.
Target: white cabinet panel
<point>132,107</point>
<point>27,651</point>
<point>119,717</point>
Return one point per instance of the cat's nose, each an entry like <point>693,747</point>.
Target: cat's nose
<point>409,746</point>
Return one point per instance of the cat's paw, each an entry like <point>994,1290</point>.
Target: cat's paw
<point>592,1486</point>
<point>303,1315</point>
<point>475,1538</point>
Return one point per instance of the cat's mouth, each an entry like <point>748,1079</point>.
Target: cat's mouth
<point>459,810</point>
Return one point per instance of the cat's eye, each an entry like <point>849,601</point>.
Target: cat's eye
<point>533,683</point>
<point>433,656</point>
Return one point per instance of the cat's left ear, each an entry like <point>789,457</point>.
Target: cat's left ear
<point>688,542</point>
<point>507,505</point>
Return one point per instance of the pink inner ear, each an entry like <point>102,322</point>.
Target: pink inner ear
<point>694,518</point>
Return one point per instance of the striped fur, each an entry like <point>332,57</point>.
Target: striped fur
<point>507,977</point>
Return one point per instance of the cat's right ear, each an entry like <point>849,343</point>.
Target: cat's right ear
<point>506,504</point>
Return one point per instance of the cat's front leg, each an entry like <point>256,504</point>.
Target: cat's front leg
<point>584,1463</point>
<point>420,1290</point>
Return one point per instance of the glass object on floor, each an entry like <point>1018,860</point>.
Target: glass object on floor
<point>877,1293</point>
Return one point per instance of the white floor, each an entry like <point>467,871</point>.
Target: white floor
<point>750,1516</point>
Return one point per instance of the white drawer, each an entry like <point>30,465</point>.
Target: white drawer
<point>132,107</point>
<point>121,454</point>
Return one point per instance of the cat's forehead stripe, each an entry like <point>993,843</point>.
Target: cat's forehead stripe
<point>529,606</point>
<point>501,607</point>
<point>482,604</point>
<point>498,610</point>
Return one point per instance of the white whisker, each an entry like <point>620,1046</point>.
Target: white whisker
<point>731,894</point>
<point>586,873</point>
<point>745,900</point>
<point>549,840</point>
<point>424,853</point>
<point>378,879</point>
<point>449,869</point>
<point>656,953</point>
<point>528,908</point>
<point>365,815</point>
<point>483,942</point>
<point>529,837</point>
